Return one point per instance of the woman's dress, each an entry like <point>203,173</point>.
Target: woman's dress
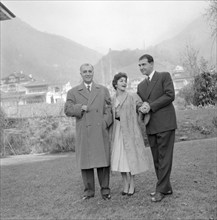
<point>128,149</point>
<point>119,160</point>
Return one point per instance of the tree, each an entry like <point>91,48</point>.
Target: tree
<point>211,14</point>
<point>189,60</point>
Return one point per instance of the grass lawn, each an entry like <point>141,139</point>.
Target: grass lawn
<point>50,187</point>
<point>196,123</point>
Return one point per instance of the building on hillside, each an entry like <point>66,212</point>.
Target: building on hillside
<point>134,83</point>
<point>12,99</point>
<point>36,92</point>
<point>180,78</point>
<point>20,89</point>
<point>5,13</point>
<point>57,92</point>
<point>15,82</point>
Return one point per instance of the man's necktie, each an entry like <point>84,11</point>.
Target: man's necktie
<point>148,80</point>
<point>88,88</point>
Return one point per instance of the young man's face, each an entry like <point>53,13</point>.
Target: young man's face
<point>87,74</point>
<point>145,67</point>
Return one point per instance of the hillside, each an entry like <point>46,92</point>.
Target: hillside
<point>167,54</point>
<point>45,56</point>
<point>124,61</point>
<point>55,58</point>
<point>197,34</point>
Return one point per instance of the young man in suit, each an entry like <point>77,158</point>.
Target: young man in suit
<point>90,104</point>
<point>157,93</point>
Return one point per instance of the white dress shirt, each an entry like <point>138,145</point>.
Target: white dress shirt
<point>88,85</point>
<point>151,75</point>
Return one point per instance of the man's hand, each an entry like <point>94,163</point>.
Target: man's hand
<point>145,108</point>
<point>84,108</point>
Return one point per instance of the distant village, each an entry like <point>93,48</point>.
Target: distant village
<point>22,89</point>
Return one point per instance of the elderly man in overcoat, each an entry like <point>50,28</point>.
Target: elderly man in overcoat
<point>90,104</point>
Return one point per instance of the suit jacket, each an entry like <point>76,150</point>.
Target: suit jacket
<point>160,94</point>
<point>92,137</point>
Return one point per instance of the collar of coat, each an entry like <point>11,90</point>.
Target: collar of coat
<point>148,87</point>
<point>121,98</point>
<point>90,96</point>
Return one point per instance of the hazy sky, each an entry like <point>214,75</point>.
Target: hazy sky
<point>101,25</point>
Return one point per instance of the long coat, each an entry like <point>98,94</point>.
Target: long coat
<point>160,94</point>
<point>92,139</point>
<point>134,145</point>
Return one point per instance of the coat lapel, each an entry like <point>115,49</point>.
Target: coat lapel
<point>152,84</point>
<point>122,99</point>
<point>83,91</point>
<point>143,89</point>
<point>94,92</point>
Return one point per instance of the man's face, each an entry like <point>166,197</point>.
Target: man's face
<point>145,67</point>
<point>87,74</point>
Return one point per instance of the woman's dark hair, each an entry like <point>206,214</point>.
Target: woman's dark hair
<point>117,77</point>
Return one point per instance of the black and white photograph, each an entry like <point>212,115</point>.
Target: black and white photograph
<point>108,110</point>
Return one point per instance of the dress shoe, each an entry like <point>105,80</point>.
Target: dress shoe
<point>167,193</point>
<point>130,194</point>
<point>157,197</point>
<point>87,197</point>
<point>124,193</point>
<point>106,196</point>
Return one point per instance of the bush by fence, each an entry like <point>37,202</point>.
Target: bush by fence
<point>38,135</point>
<point>202,91</point>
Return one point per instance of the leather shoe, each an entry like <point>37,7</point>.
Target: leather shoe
<point>158,197</point>
<point>124,193</point>
<point>87,197</point>
<point>106,196</point>
<point>130,194</point>
<point>167,193</point>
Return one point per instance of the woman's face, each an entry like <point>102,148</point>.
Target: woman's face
<point>122,84</point>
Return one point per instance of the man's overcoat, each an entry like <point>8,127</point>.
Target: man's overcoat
<point>92,139</point>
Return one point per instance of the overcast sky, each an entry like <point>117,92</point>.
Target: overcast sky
<point>101,25</point>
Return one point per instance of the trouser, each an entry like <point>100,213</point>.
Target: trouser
<point>162,145</point>
<point>89,184</point>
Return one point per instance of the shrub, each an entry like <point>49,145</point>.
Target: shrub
<point>214,121</point>
<point>204,89</point>
<point>60,141</point>
<point>187,93</point>
<point>38,135</point>
<point>2,123</point>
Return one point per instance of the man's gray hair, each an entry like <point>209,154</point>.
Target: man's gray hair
<point>86,64</point>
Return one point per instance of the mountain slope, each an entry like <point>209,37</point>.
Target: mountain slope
<point>45,56</point>
<point>167,54</point>
<point>197,34</point>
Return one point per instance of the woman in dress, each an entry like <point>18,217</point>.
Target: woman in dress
<point>128,154</point>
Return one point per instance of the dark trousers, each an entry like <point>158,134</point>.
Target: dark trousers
<point>162,145</point>
<point>89,184</point>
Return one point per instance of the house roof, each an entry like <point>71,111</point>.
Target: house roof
<point>36,84</point>
<point>5,13</point>
<point>19,77</point>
